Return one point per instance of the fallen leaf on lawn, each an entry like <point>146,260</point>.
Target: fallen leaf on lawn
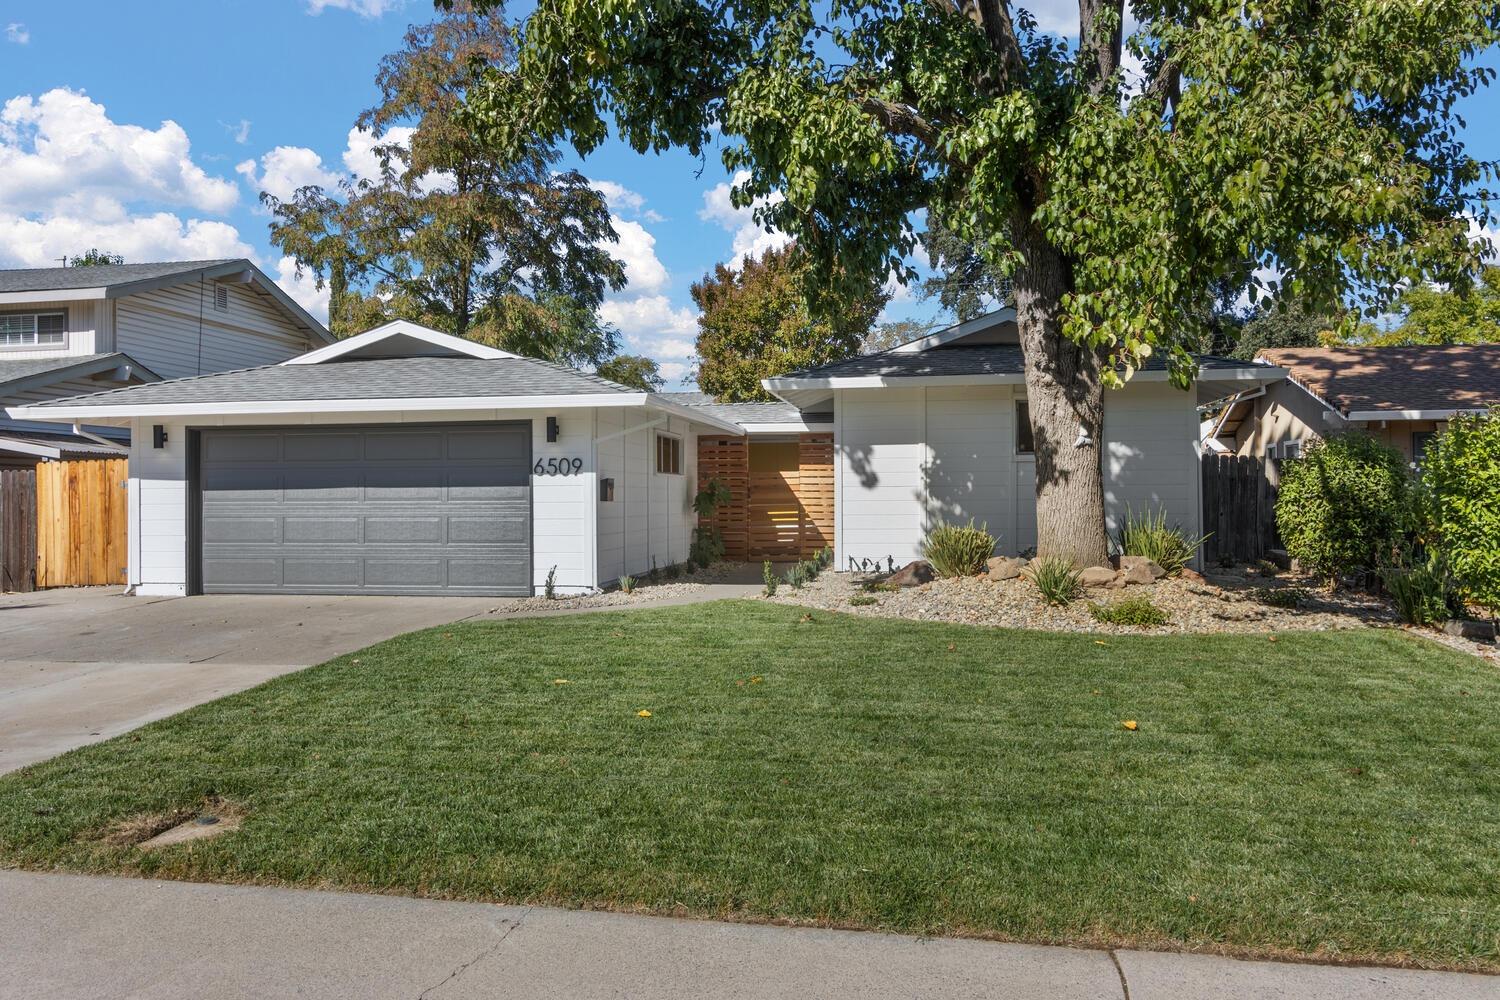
<point>562,680</point>
<point>1097,691</point>
<point>618,635</point>
<point>644,713</point>
<point>806,618</point>
<point>1131,725</point>
<point>1271,638</point>
<point>756,679</point>
<point>1100,642</point>
<point>951,647</point>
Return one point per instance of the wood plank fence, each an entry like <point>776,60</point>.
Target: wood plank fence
<point>64,524</point>
<point>775,514</point>
<point>1239,509</point>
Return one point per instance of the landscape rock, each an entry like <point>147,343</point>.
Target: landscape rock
<point>1140,571</point>
<point>1006,567</point>
<point>913,574</point>
<point>1127,562</point>
<point>1192,575</point>
<point>1096,576</point>
<point>1474,631</point>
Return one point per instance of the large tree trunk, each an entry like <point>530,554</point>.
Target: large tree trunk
<point>1065,396</point>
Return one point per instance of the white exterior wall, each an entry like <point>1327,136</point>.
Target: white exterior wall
<point>90,328</point>
<point>176,331</point>
<point>650,518</point>
<point>909,457</point>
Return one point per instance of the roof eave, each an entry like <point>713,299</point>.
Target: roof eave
<point>1447,413</point>
<point>288,407</point>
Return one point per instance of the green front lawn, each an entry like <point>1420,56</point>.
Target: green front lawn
<point>1334,794</point>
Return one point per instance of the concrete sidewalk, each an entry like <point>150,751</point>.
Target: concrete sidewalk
<point>66,936</point>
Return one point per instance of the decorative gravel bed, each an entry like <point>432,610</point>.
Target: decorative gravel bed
<point>645,591</point>
<point>1222,602</point>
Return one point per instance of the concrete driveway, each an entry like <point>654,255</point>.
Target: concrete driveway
<point>84,664</point>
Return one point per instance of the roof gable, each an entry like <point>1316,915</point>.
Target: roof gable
<point>399,339</point>
<point>998,327</point>
<point>1395,380</point>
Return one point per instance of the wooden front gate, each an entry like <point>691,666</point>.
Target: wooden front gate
<point>18,530</point>
<point>1239,509</point>
<point>782,513</point>
<point>81,522</point>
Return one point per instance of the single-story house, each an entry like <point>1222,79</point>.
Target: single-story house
<point>406,461</point>
<point>66,331</point>
<point>1399,395</point>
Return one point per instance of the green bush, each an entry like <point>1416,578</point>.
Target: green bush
<point>1055,578</point>
<point>955,550</point>
<point>1136,611</point>
<point>1344,506</point>
<point>627,584</point>
<point>863,600</point>
<point>1282,597</point>
<point>1461,493</point>
<point>768,573</point>
<point>1148,535</point>
<point>707,547</point>
<point>1424,590</point>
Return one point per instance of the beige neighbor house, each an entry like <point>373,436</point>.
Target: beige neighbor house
<point>1399,395</point>
<point>67,331</point>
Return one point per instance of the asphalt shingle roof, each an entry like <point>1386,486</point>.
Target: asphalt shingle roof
<point>986,359</point>
<point>1428,377</point>
<point>49,279</point>
<point>369,378</point>
<point>740,413</point>
<point>69,444</point>
<point>19,368</point>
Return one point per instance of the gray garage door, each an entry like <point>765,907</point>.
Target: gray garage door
<point>439,509</point>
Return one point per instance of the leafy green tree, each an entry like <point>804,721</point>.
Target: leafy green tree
<point>508,250</point>
<point>1446,316</point>
<point>755,322</point>
<point>633,370</point>
<point>1461,484</point>
<point>1320,140</point>
<point>895,333</point>
<point>94,258</point>
<point>964,282</point>
<point>1292,327</point>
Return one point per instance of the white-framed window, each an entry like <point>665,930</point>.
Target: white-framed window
<point>34,329</point>
<point>668,455</point>
<point>1291,449</point>
<point>1025,442</point>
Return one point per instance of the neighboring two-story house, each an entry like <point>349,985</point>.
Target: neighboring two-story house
<point>65,331</point>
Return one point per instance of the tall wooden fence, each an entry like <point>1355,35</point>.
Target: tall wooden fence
<point>779,514</point>
<point>18,530</point>
<point>1239,509</point>
<point>63,524</point>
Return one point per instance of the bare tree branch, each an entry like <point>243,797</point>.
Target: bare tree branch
<point>898,119</point>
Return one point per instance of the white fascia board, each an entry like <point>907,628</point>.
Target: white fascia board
<point>399,328</point>
<point>787,427</point>
<point>89,414</point>
<point>53,295</point>
<point>30,448</point>
<point>1250,373</point>
<point>693,414</point>
<point>1365,415</point>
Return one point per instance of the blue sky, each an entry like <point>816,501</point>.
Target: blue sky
<point>149,129</point>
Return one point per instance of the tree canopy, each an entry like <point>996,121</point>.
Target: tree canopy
<point>755,323</point>
<point>95,257</point>
<point>633,370</point>
<point>1115,178</point>
<point>506,249</point>
<point>1431,315</point>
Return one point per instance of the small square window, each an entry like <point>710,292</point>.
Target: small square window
<point>1291,449</point>
<point>1025,443</point>
<point>668,455</point>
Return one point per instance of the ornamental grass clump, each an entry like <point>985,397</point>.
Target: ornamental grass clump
<point>1147,534</point>
<point>958,550</point>
<point>1424,591</point>
<point>1056,579</point>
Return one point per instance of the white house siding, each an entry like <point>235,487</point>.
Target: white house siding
<point>909,457</point>
<point>90,328</point>
<point>177,332</point>
<point>650,520</point>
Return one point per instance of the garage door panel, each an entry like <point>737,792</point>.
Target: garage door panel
<point>446,509</point>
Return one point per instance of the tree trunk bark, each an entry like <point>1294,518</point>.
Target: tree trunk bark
<point>1066,397</point>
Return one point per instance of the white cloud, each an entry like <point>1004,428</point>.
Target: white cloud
<point>750,239</point>
<point>160,236</point>
<point>16,32</point>
<point>60,153</point>
<point>285,169</point>
<point>623,201</point>
<point>240,131</point>
<point>674,371</point>
<point>303,289</point>
<point>364,8</point>
<point>648,318</point>
<point>361,160</point>
<point>637,248</point>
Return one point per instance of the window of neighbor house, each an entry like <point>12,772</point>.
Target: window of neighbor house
<point>1025,443</point>
<point>1419,442</point>
<point>38,329</point>
<point>668,455</point>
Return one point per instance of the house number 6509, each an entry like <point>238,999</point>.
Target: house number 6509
<point>558,467</point>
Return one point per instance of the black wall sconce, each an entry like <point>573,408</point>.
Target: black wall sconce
<point>158,436</point>
<point>606,489</point>
<point>551,428</point>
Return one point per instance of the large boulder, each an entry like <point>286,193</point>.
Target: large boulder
<point>1006,567</point>
<point>913,574</point>
<point>1097,576</point>
<point>1128,563</point>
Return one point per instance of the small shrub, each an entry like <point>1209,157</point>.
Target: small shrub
<point>1055,578</point>
<point>863,600</point>
<point>1344,505</point>
<point>879,587</point>
<point>1461,487</point>
<point>549,588</point>
<point>1136,611</point>
<point>1282,597</point>
<point>1424,591</point>
<point>796,576</point>
<point>1148,535</point>
<point>673,571</point>
<point>627,584</point>
<point>768,573</point>
<point>957,550</point>
<point>707,547</point>
<point>655,574</point>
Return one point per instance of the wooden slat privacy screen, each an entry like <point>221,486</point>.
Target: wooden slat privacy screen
<point>778,515</point>
<point>727,459</point>
<point>81,522</point>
